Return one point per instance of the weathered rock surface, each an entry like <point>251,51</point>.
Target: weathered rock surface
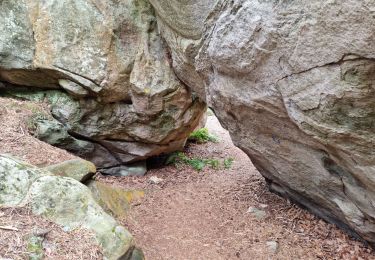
<point>294,83</point>
<point>78,169</point>
<point>134,169</point>
<point>114,200</point>
<point>181,24</point>
<point>257,213</point>
<point>64,201</point>
<point>106,72</point>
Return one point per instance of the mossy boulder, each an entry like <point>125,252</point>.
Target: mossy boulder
<point>115,200</point>
<point>78,169</point>
<point>70,204</point>
<point>64,201</point>
<point>16,178</point>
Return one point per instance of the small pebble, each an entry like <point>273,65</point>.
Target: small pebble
<point>155,180</point>
<point>272,246</point>
<point>257,213</point>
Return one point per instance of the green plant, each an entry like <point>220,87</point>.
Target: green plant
<point>175,158</point>
<point>213,163</point>
<point>202,136</point>
<point>198,164</point>
<point>228,163</point>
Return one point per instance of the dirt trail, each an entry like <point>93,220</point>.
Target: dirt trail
<point>203,215</point>
<point>199,215</point>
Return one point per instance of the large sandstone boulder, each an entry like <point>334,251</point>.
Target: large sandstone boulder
<point>64,201</point>
<point>294,83</point>
<point>106,72</point>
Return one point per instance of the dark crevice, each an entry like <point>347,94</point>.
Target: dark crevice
<point>157,162</point>
<point>110,167</point>
<point>127,101</point>
<point>81,76</point>
<point>88,139</point>
<point>81,137</point>
<point>341,61</point>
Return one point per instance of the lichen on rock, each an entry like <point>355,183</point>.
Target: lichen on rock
<point>106,72</point>
<point>64,201</point>
<point>293,82</point>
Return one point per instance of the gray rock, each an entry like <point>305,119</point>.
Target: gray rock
<point>106,72</point>
<point>54,133</point>
<point>257,213</point>
<point>114,200</point>
<point>136,254</point>
<point>62,200</point>
<point>73,88</point>
<point>78,169</point>
<point>293,82</point>
<point>181,24</point>
<point>135,169</point>
<point>155,180</point>
<point>15,179</point>
<point>273,246</point>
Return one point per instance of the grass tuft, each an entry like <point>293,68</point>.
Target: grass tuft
<point>202,136</point>
<point>198,164</point>
<point>228,163</point>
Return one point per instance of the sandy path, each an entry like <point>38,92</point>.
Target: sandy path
<point>203,215</point>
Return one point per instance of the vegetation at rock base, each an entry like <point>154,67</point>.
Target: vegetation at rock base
<point>228,163</point>
<point>198,164</point>
<point>202,136</point>
<point>35,248</point>
<point>199,136</point>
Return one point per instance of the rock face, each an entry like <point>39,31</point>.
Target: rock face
<point>106,72</point>
<point>78,169</point>
<point>114,200</point>
<point>294,83</point>
<point>64,201</point>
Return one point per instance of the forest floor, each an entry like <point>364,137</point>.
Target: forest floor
<point>204,215</point>
<point>19,228</point>
<point>225,213</point>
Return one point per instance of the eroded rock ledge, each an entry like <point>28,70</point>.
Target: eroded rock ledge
<point>294,83</point>
<point>106,72</point>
